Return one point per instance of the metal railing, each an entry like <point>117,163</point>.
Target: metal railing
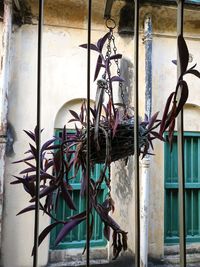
<point>38,129</point>
<point>180,9</point>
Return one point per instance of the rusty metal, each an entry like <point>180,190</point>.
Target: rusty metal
<point>108,8</point>
<point>136,138</point>
<point>181,174</point>
<point>38,130</point>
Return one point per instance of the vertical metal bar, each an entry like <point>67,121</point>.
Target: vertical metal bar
<point>88,138</point>
<point>38,130</point>
<point>181,174</point>
<point>136,143</point>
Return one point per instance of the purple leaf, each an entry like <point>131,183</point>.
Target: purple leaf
<point>117,79</point>
<point>183,97</point>
<point>29,187</point>
<point>91,226</point>
<point>103,213</point>
<point>57,161</point>
<point>157,135</point>
<point>98,67</point>
<point>119,104</point>
<point>151,143</point>
<point>44,233</point>
<point>92,47</point>
<point>107,65</point>
<point>81,116</point>
<point>117,119</point>
<point>23,160</point>
<point>102,41</point>
<point>73,120</point>
<point>74,114</point>
<point>164,118</point>
<point>94,113</point>
<point>171,116</point>
<point>47,190</point>
<point>28,170</point>
<point>67,197</point>
<point>29,208</point>
<point>53,147</point>
<point>47,144</point>
<point>30,134</point>
<point>45,175</point>
<point>33,150</point>
<point>37,132</point>
<point>98,101</point>
<point>116,56</point>
<point>152,120</point>
<point>194,72</point>
<point>64,134</point>
<point>18,181</point>
<point>67,228</point>
<point>183,54</point>
<point>171,133</point>
<point>106,232</point>
<point>30,165</point>
<point>174,61</point>
<point>48,164</point>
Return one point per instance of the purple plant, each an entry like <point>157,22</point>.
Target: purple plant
<point>111,132</point>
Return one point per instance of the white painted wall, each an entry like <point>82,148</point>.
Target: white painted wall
<point>64,79</point>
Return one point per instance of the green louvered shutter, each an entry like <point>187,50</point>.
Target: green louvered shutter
<point>192,185</point>
<point>76,238</point>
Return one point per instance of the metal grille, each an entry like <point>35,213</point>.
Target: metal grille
<point>137,178</point>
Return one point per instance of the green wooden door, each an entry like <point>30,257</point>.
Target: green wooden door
<point>77,237</point>
<point>192,192</point>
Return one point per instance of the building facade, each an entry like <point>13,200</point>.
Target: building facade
<point>64,72</point>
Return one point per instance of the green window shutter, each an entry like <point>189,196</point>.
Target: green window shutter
<point>77,237</point>
<point>192,185</point>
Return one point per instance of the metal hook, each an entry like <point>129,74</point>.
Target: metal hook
<point>110,24</point>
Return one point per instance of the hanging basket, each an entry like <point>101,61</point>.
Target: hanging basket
<point>114,146</point>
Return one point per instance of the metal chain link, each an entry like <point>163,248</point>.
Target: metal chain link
<point>108,54</point>
<point>111,42</point>
<point>118,70</point>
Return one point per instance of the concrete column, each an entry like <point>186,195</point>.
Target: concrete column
<point>144,210</point>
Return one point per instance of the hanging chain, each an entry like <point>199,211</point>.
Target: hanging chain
<point>108,54</point>
<point>111,43</point>
<point>118,71</point>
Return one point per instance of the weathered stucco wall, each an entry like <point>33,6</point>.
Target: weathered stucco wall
<point>164,81</point>
<point>64,79</point>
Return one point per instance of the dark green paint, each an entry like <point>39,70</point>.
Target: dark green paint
<point>192,189</point>
<point>76,238</point>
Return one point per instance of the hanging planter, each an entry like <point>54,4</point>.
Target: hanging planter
<point>111,138</point>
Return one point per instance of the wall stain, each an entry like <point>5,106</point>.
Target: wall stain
<point>124,178</point>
